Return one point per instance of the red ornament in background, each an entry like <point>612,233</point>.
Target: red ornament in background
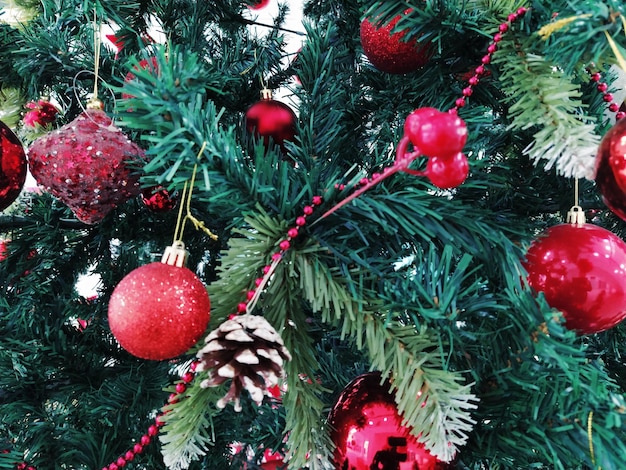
<point>151,64</point>
<point>581,269</point>
<point>367,431</point>
<point>259,4</point>
<point>610,169</point>
<point>88,164</point>
<point>272,120</point>
<point>41,113</point>
<point>13,166</point>
<point>158,199</point>
<point>4,249</point>
<point>389,52</point>
<point>160,310</point>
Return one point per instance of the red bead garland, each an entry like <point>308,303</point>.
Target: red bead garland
<point>607,97</point>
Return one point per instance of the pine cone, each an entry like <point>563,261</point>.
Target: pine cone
<point>248,350</point>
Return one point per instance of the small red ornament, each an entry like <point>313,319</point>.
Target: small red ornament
<point>158,199</point>
<point>4,249</point>
<point>581,269</point>
<point>151,64</point>
<point>610,169</point>
<point>41,113</point>
<point>368,433</point>
<point>441,134</point>
<point>13,166</point>
<point>447,172</point>
<point>388,51</point>
<point>272,120</point>
<point>87,164</point>
<point>160,310</point>
<point>259,4</point>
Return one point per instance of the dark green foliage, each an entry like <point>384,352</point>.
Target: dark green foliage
<point>422,284</point>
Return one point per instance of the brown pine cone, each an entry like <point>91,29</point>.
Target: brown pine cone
<point>248,350</point>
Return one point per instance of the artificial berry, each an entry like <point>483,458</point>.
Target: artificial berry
<point>300,221</point>
<point>447,172</point>
<point>250,295</point>
<point>308,210</point>
<point>414,121</point>
<point>276,257</point>
<point>284,245</point>
<point>180,388</point>
<point>242,307</point>
<point>121,462</point>
<point>442,134</point>
<point>145,440</point>
<point>187,377</point>
<point>138,448</point>
<point>317,200</point>
<point>113,466</point>
<point>293,232</point>
<point>153,430</point>
<point>129,456</point>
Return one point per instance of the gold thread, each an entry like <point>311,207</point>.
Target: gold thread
<point>97,41</point>
<point>548,30</point>
<point>590,437</point>
<point>185,203</point>
<point>618,55</point>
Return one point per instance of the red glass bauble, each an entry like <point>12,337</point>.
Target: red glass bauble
<point>388,52</point>
<point>89,164</point>
<point>581,269</point>
<point>158,199</point>
<point>259,4</point>
<point>271,120</point>
<point>367,431</point>
<point>13,166</point>
<point>610,169</point>
<point>447,172</point>
<point>159,311</point>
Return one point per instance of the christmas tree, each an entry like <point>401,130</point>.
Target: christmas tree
<point>388,224</point>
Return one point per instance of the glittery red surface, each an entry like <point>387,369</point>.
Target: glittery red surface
<point>86,164</point>
<point>12,166</point>
<point>367,430</point>
<point>271,119</point>
<point>159,311</point>
<point>388,52</point>
<point>582,272</point>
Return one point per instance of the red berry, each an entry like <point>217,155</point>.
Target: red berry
<point>442,134</point>
<point>447,172</point>
<point>414,121</point>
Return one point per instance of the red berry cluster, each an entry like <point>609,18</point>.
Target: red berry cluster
<point>603,88</point>
<point>493,47</point>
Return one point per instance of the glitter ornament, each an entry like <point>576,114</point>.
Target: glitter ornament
<point>161,309</point>
<point>388,51</point>
<point>272,120</point>
<point>610,169</point>
<point>158,199</point>
<point>581,270</point>
<point>88,164</point>
<point>368,433</point>
<point>13,166</point>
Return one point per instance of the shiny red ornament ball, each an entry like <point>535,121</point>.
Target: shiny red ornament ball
<point>389,52</point>
<point>13,166</point>
<point>159,311</point>
<point>89,164</point>
<point>447,172</point>
<point>581,269</point>
<point>610,169</point>
<point>158,199</point>
<point>368,433</point>
<point>259,4</point>
<point>272,120</point>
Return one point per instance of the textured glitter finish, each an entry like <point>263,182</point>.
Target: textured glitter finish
<point>388,52</point>
<point>87,164</point>
<point>611,169</point>
<point>158,199</point>
<point>368,433</point>
<point>159,311</point>
<point>12,166</point>
<point>582,272</point>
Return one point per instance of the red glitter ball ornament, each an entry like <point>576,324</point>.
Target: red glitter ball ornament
<point>272,120</point>
<point>159,311</point>
<point>41,113</point>
<point>88,164</point>
<point>581,269</point>
<point>610,169</point>
<point>368,433</point>
<point>13,166</point>
<point>389,52</point>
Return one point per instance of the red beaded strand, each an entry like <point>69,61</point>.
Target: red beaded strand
<point>481,70</point>
<point>607,97</point>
